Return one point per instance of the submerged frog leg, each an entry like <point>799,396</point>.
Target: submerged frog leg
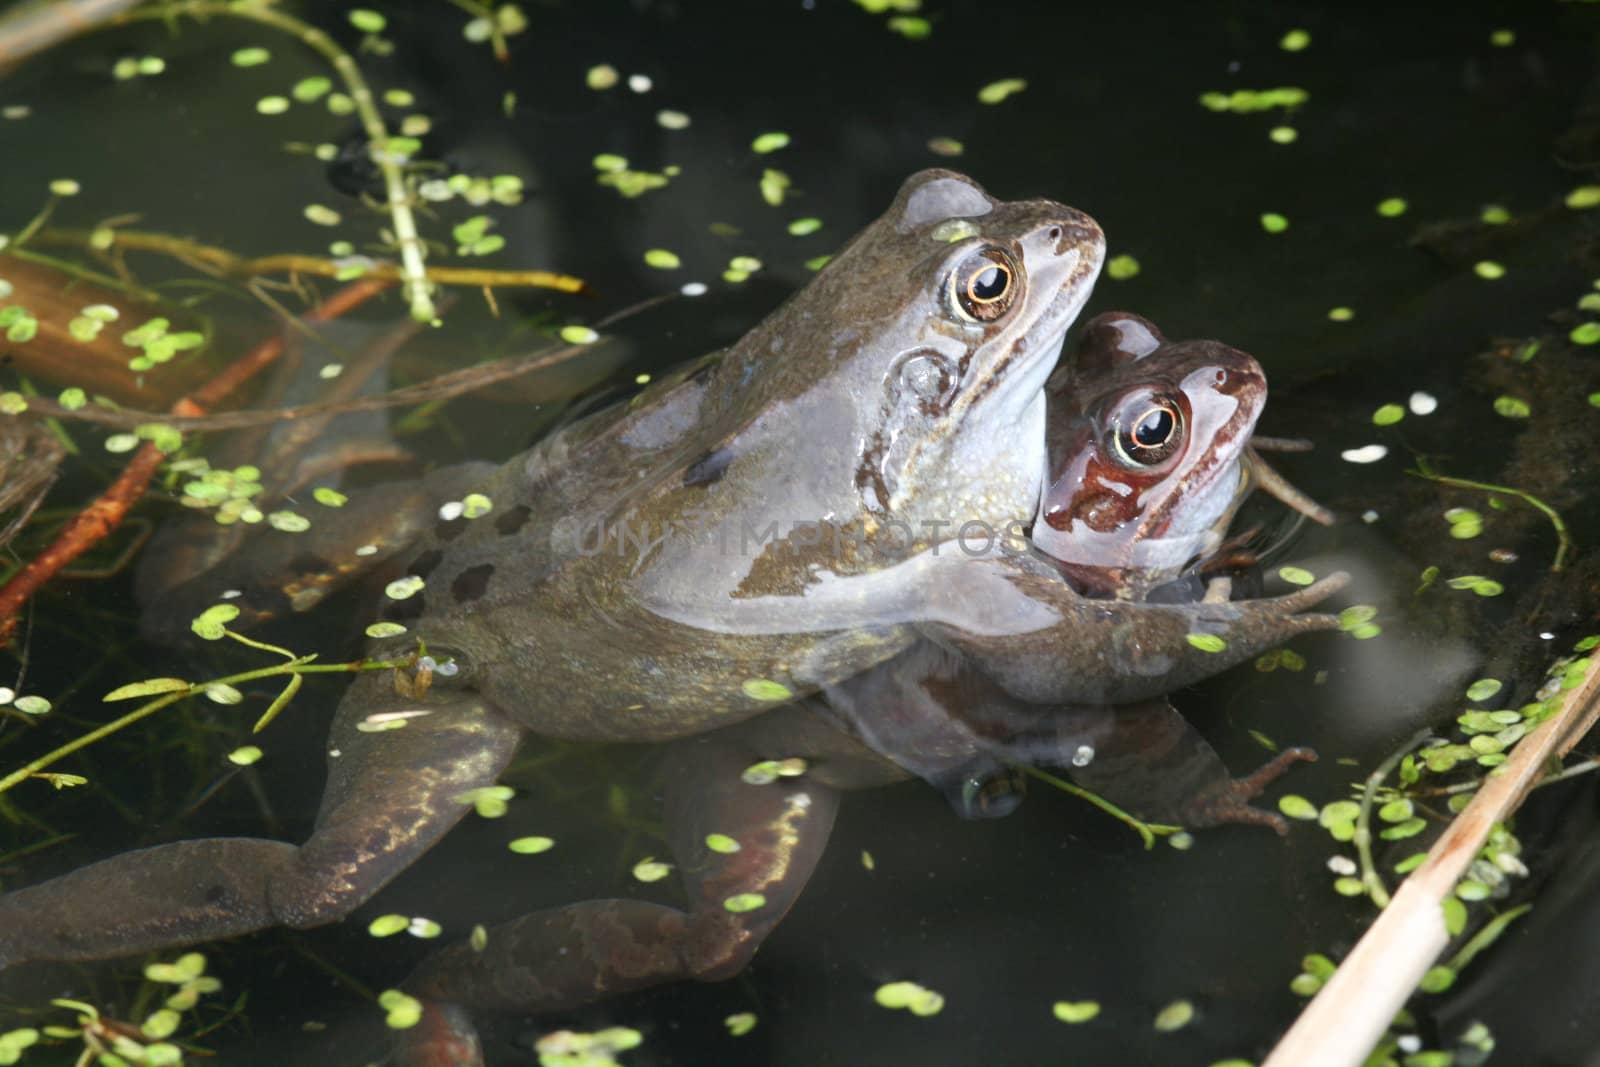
<point>563,957</point>
<point>1149,759</point>
<point>1015,618</point>
<point>390,796</point>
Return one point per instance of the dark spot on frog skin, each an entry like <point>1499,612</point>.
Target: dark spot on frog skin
<point>423,565</point>
<point>447,530</point>
<point>405,610</point>
<point>509,522</point>
<point>709,468</point>
<point>472,583</point>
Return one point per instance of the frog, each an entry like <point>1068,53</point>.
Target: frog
<point>1150,455</point>
<point>766,522</point>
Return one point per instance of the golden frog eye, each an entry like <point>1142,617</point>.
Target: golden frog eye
<point>985,284</point>
<point>1148,430</point>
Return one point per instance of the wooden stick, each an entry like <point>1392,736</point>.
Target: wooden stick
<point>1351,1012</point>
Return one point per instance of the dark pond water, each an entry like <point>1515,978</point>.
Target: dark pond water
<point>1056,902</point>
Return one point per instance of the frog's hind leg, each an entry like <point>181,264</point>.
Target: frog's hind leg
<point>390,796</point>
<point>770,837</point>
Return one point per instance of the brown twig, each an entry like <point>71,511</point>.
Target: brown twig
<point>228,264</point>
<point>106,513</point>
<point>441,387</point>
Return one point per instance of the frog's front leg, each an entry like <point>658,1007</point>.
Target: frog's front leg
<point>1014,617</point>
<point>560,958</point>
<point>391,794</point>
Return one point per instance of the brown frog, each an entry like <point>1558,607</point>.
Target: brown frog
<point>771,521</point>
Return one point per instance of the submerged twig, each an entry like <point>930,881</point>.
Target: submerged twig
<point>1564,540</point>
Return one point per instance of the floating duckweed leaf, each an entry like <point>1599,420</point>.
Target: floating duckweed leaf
<point>1355,615</point>
<point>250,57</point>
<point>721,843</point>
<point>1273,222</point>
<point>1470,889</point>
<point>1348,886</point>
<point>148,688</point>
<point>734,277</point>
<point>1483,689</point>
<point>661,259</point>
<point>65,187</point>
<point>769,142</point>
<point>1397,810</point>
<point>1455,915</point>
<point>1315,963</point>
<point>32,705</point>
<point>476,505</point>
<point>531,846</point>
<point>1489,270</point>
<point>272,105</point>
<point>1297,807</point>
<point>398,97</point>
<point>387,925</point>
<point>818,262</point>
<point>161,1023</point>
<point>672,120</point>
<point>1075,1011</point>
<point>763,773</point>
<point>310,90</point>
<point>367,21</point>
<point>1339,811</point>
<point>1296,575</point>
<point>743,902</point>
<point>245,755</point>
<point>1294,41</point>
<point>1283,135</point>
<point>1207,642</point>
<point>805,226</point>
<point>12,403</point>
<point>774,186</point>
<point>1583,197</point>
<point>1341,314</point>
<point>1587,334</point>
<point>116,443</point>
<point>610,163</point>
<point>997,91</point>
<point>1465,523</point>
<point>21,328</point>
<point>1502,38</point>
<point>210,622</point>
<point>763,689</point>
<point>322,215</point>
<point>1494,215</point>
<point>910,996</point>
<point>1478,584</point>
<point>223,693</point>
<point>911,27</point>
<point>288,522</point>
<point>85,329</point>
<point>1174,1016</point>
<point>579,335</point>
<point>952,230</point>
<point>423,927</point>
<point>1121,268</point>
<point>740,1023</point>
<point>1305,985</point>
<point>329,498</point>
<point>1366,631</point>
<point>489,801</point>
<point>1410,863</point>
<point>1388,415</point>
<point>1511,407</point>
<point>650,869</point>
<point>747,264</point>
<point>601,77</point>
<point>1436,980</point>
<point>1183,841</point>
<point>946,146</point>
<point>402,1011</point>
<point>1401,831</point>
<point>867,861</point>
<point>1393,207</point>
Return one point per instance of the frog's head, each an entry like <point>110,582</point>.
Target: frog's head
<point>948,313</point>
<point>1147,445</point>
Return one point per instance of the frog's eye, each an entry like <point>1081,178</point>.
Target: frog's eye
<point>985,284</point>
<point>1147,430</point>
